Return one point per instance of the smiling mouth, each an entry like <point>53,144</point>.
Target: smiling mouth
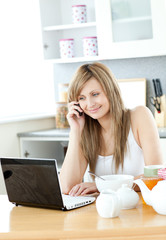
<point>94,110</point>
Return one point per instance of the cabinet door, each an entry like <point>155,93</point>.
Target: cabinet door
<point>131,28</point>
<point>43,149</point>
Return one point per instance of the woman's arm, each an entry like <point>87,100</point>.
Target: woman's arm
<point>74,164</point>
<point>146,134</point>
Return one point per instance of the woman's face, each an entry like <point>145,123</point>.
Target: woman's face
<point>93,100</point>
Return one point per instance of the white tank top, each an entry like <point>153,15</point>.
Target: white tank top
<point>133,160</point>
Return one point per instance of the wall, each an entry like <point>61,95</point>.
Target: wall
<point>9,142</point>
<point>149,68</point>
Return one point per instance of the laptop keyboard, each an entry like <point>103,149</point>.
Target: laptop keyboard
<point>73,202</point>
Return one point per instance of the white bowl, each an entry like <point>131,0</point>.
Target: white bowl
<point>114,181</point>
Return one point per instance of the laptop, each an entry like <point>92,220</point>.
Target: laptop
<point>35,182</point>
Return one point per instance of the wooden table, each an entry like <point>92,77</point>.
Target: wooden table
<point>82,223</point>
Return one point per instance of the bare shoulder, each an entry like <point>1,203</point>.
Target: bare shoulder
<point>146,134</point>
<point>142,122</point>
<point>140,110</point>
<point>141,114</point>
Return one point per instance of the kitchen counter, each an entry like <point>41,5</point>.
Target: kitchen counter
<point>46,133</point>
<point>82,223</point>
<point>50,143</point>
<point>65,133</point>
<point>162,132</point>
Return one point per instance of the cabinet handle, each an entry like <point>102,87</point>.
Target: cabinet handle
<point>45,46</point>
<point>26,154</point>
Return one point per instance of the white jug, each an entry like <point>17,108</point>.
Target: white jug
<point>108,204</point>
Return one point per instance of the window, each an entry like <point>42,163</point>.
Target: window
<point>26,81</point>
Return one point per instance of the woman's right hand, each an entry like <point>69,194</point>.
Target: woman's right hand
<point>73,117</point>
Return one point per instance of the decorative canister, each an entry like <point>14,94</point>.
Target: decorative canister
<point>61,112</point>
<point>79,14</point>
<point>63,92</point>
<point>66,48</point>
<point>90,47</point>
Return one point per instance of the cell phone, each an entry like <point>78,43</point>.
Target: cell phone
<point>80,113</point>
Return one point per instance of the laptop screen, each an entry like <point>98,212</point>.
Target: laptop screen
<point>32,182</point>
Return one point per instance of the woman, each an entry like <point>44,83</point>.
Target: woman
<point>104,135</point>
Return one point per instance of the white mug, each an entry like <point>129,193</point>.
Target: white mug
<point>108,204</point>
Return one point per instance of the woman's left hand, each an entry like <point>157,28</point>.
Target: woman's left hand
<point>83,189</point>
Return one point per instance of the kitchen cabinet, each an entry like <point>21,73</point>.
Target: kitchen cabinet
<point>56,20</point>
<point>124,29</point>
<point>131,28</point>
<point>49,144</point>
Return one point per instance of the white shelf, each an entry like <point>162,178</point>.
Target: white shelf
<point>69,26</point>
<point>132,19</point>
<point>76,59</point>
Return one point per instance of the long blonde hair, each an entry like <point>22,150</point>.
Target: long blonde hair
<point>91,138</point>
